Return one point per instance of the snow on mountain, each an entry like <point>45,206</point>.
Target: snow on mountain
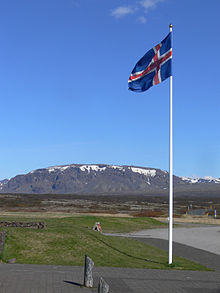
<point>2,183</point>
<point>97,168</point>
<point>206,179</point>
<point>92,168</point>
<point>52,169</point>
<point>212,179</point>
<point>190,180</point>
<point>142,171</point>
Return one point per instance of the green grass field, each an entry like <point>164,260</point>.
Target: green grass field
<point>65,241</point>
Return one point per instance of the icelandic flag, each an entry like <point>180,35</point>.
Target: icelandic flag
<point>154,67</point>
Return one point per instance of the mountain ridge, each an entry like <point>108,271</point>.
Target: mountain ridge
<point>100,179</point>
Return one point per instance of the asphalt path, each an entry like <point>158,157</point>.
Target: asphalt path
<point>205,237</point>
<point>24,278</point>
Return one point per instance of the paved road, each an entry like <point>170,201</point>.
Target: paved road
<point>205,237</point>
<point>208,259</point>
<point>18,278</point>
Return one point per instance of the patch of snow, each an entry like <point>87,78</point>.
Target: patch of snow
<point>200,180</point>
<point>145,172</point>
<point>89,168</point>
<point>208,178</point>
<point>117,167</point>
<point>61,168</point>
<point>190,180</point>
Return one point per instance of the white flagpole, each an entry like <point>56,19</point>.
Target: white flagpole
<point>171,171</point>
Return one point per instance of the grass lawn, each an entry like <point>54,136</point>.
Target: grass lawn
<point>65,241</point>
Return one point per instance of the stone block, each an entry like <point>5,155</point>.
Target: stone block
<point>103,286</point>
<point>88,279</point>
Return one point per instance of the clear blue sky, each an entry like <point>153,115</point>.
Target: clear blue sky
<point>64,67</point>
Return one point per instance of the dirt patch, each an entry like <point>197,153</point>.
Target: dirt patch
<point>58,214</point>
<point>193,220</point>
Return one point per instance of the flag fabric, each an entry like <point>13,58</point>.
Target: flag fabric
<point>154,67</point>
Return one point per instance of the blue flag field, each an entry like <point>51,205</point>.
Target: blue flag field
<point>154,67</point>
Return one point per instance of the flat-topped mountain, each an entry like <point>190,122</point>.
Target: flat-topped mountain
<point>100,179</point>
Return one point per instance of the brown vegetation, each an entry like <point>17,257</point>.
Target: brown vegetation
<point>139,205</point>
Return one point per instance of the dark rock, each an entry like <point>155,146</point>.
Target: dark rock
<point>36,225</point>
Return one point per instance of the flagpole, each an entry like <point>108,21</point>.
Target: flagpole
<point>171,171</point>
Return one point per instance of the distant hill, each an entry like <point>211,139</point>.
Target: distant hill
<point>3,182</point>
<point>101,179</point>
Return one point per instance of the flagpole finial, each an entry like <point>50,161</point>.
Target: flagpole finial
<point>171,27</point>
